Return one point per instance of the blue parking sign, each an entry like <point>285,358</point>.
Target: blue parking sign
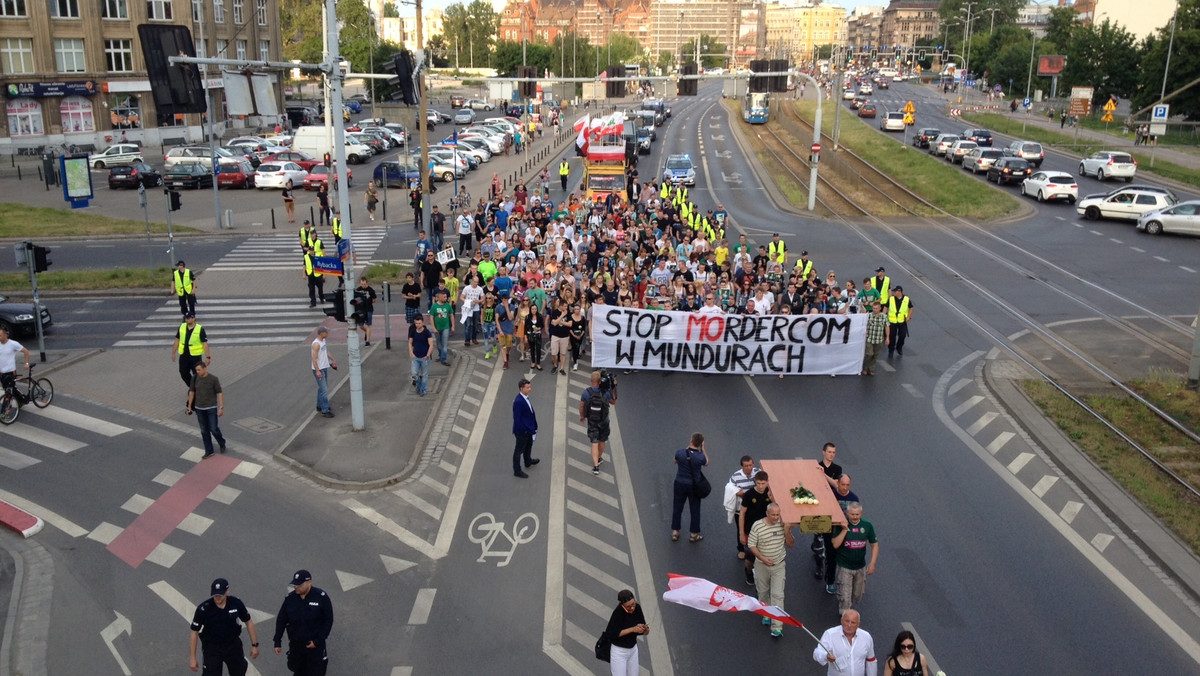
<point>1027,102</point>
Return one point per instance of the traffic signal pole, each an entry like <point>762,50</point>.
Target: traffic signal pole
<point>30,258</point>
<point>332,67</point>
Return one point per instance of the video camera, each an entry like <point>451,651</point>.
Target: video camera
<point>608,385</point>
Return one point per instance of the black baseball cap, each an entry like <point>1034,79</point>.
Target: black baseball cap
<point>879,269</point>
<point>189,315</point>
<point>220,586</point>
<point>300,577</point>
<point>180,264</point>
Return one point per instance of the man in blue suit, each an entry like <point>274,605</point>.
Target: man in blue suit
<point>524,429</point>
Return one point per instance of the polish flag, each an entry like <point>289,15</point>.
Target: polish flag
<point>594,127</point>
<point>703,595</point>
<point>582,123</point>
<point>582,141</point>
<point>613,124</point>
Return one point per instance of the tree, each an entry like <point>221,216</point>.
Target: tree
<point>1104,57</point>
<point>1185,64</point>
<point>712,52</point>
<point>470,31</point>
<point>1060,23</point>
<point>508,57</point>
<point>390,11</point>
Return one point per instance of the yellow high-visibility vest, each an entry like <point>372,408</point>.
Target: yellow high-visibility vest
<point>192,345</point>
<point>777,252</point>
<point>183,285</point>
<point>897,315</point>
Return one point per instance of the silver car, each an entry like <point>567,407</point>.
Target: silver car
<point>1183,218</point>
<point>201,155</point>
<point>942,144</point>
<point>1109,164</point>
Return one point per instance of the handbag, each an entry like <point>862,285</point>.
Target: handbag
<point>604,647</point>
<point>700,486</point>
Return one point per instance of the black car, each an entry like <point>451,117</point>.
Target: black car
<point>18,317</point>
<point>925,136</point>
<point>133,175</point>
<point>981,136</point>
<point>248,152</point>
<point>1009,170</point>
<point>189,176</point>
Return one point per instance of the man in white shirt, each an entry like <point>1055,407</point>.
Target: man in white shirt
<point>8,359</point>
<point>710,306</point>
<point>465,225</point>
<point>472,304</point>
<point>848,650</point>
<point>321,362</point>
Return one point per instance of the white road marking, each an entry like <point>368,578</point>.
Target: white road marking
<point>761,400</point>
<point>165,555</point>
<point>1161,259</point>
<point>984,421</point>
<point>86,422</point>
<point>1186,268</point>
<point>1137,249</point>
<point>393,565</point>
<point>105,533</point>
<point>1043,485</point>
<point>1101,541</point>
<point>422,606</point>
<point>999,442</point>
<point>1019,462</point>
<point>1115,240</point>
<point>349,581</point>
<point>56,442</point>
<point>911,389</point>
<point>1070,510</point>
<point>63,524</point>
<point>958,385</point>
<point>14,460</point>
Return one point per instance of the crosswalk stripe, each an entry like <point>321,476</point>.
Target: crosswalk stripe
<point>14,460</point>
<point>86,422</point>
<point>43,438</point>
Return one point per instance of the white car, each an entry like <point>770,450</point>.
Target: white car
<point>892,122</point>
<point>942,144</point>
<point>1129,204</point>
<point>277,174</point>
<point>865,89</point>
<point>202,155</point>
<point>122,153</point>
<point>1051,185</point>
<point>249,141</point>
<point>1183,218</point>
<point>848,95</point>
<point>1109,164</point>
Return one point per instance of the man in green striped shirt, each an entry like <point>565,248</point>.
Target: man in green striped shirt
<point>768,538</point>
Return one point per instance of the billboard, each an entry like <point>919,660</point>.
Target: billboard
<point>1051,65</point>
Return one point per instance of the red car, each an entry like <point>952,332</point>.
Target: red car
<point>867,110</point>
<point>236,174</point>
<point>306,161</point>
<point>319,176</point>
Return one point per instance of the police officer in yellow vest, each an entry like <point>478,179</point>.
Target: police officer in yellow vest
<point>804,266</point>
<point>335,224</point>
<point>899,309</point>
<point>664,192</point>
<point>190,347</point>
<point>316,280</point>
<point>777,250</point>
<point>881,283</point>
<point>307,233</point>
<point>185,288</point>
<point>564,171</point>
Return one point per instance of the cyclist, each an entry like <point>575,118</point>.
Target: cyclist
<point>8,360</point>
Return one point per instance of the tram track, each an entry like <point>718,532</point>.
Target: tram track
<point>1038,271</point>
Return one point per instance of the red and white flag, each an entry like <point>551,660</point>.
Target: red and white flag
<point>703,595</point>
<point>582,123</point>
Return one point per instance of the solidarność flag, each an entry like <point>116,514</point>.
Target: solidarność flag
<point>703,595</point>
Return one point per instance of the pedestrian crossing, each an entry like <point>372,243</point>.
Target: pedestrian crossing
<point>281,251</point>
<point>50,429</point>
<point>231,321</point>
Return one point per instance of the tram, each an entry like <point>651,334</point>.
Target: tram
<point>756,107</point>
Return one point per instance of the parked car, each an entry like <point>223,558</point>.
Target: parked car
<point>193,175</point>
<point>924,136</point>
<point>306,161</point>
<point>955,153</point>
<point>981,159</point>
<point>122,153</point>
<point>17,318</point>
<point>495,144</point>
<point>457,101</point>
<point>371,122</point>
<point>277,175</point>
<point>1008,170</point>
<point>1109,164</point>
<point>1051,185</point>
<point>236,173</point>
<point>354,105</point>
<point>1029,151</point>
<point>942,143</point>
<point>396,173</point>
<point>1183,218</point>
<point>1127,204</point>
<point>201,155</point>
<point>981,137</point>
<point>247,141</point>
<point>441,117</point>
<point>478,104</point>
<point>464,116</point>
<point>246,152</point>
<point>376,145</point>
<point>320,174</point>
<point>893,121</point>
<point>133,175</point>
<point>397,130</point>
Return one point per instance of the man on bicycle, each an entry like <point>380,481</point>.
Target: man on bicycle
<point>8,360</point>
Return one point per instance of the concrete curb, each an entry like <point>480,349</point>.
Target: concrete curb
<point>19,520</point>
<point>1156,540</point>
<point>23,646</point>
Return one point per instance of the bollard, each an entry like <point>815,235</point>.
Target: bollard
<point>18,172</point>
<point>41,179</point>
<point>273,218</point>
<point>312,215</point>
<point>387,324</point>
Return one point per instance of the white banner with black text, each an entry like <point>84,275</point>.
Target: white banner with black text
<point>629,338</point>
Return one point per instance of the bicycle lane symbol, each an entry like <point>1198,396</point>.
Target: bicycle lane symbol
<point>485,530</point>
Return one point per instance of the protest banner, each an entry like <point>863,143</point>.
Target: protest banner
<point>695,342</point>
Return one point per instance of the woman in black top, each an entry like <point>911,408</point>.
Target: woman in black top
<point>626,623</point>
<point>534,323</point>
<point>904,660</point>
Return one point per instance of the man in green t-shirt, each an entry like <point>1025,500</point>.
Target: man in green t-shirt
<point>868,296</point>
<point>443,324</point>
<point>851,543</point>
<point>537,295</point>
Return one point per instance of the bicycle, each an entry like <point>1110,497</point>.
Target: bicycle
<point>40,391</point>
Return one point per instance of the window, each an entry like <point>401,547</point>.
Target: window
<point>24,118</point>
<point>125,112</point>
<point>201,50</point>
<point>115,9</point>
<point>219,11</point>
<point>264,50</point>
<point>118,55</point>
<point>76,114</point>
<point>12,8</point>
<point>196,9</point>
<point>241,49</point>
<point>261,7</point>
<point>16,55</point>
<point>64,9</point>
<point>222,49</point>
<point>159,10</point>
<point>68,55</point>
<point>237,12</point>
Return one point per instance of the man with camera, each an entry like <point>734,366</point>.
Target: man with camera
<point>593,410</point>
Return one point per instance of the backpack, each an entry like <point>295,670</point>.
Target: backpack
<point>597,406</point>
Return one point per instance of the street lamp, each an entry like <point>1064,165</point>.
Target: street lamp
<point>992,11</point>
<point>967,35</point>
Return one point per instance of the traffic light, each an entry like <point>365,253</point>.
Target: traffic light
<point>40,262</point>
<point>760,83</point>
<point>527,90</point>
<point>615,90</point>
<point>405,69</point>
<point>174,198</point>
<point>338,311</point>
<point>689,86</point>
<point>777,83</point>
<point>328,160</point>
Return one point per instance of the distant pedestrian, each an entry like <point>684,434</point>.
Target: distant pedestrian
<point>624,626</point>
<point>437,225</point>
<point>207,401</point>
<point>495,185</point>
<point>878,329</point>
<point>899,314</point>
<point>441,313</point>
<point>1137,135</point>
<point>525,429</point>
<point>689,463</point>
<point>185,288</point>
<point>364,307</point>
<point>307,615</point>
<point>905,659</point>
<point>853,566</point>
<point>289,202</point>
<point>420,349</point>
<point>321,363</point>
<point>323,204</point>
<point>846,649</point>
<point>1062,119</point>
<point>371,197</point>
<point>190,347</point>
<point>416,200</point>
<point>215,627</point>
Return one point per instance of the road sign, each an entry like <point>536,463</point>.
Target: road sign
<point>1108,116</point>
<point>328,266</point>
<point>908,118</point>
<point>344,247</point>
<point>1110,106</point>
<point>816,148</point>
<point>1160,113</point>
<point>909,108</point>
<point>1027,102</point>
